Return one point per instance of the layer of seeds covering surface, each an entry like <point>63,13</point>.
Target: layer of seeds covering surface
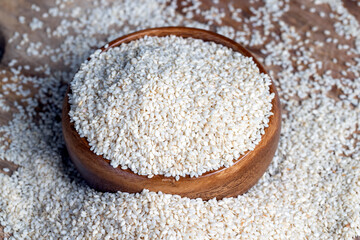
<point>170,105</point>
<point>311,190</point>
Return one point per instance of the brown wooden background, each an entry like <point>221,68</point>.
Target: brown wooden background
<point>301,20</point>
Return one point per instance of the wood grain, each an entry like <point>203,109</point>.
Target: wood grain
<point>2,234</point>
<point>224,182</point>
<point>8,166</point>
<point>10,10</point>
<point>2,45</point>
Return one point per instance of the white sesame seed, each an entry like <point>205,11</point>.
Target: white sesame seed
<point>157,138</point>
<point>21,19</point>
<point>310,191</point>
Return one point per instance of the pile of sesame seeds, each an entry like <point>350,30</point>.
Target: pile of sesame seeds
<point>170,106</point>
<point>310,191</point>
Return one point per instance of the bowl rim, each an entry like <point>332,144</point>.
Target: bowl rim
<point>274,123</point>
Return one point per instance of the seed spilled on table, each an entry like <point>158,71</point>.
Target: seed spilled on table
<point>311,190</point>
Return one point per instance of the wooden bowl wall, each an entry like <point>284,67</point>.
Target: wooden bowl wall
<point>224,182</point>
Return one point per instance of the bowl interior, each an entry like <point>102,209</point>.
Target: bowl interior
<point>223,182</point>
<point>198,34</point>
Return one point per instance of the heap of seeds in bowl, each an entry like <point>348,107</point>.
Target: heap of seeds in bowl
<point>170,106</point>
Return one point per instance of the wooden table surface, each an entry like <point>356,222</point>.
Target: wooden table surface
<point>302,21</point>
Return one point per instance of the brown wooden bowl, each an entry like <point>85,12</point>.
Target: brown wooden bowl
<point>224,182</point>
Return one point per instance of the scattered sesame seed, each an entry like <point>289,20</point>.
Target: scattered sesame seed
<point>322,14</point>
<point>36,24</point>
<point>21,19</point>
<point>35,7</point>
<point>311,188</point>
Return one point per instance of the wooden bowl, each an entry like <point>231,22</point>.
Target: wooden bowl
<point>224,182</point>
